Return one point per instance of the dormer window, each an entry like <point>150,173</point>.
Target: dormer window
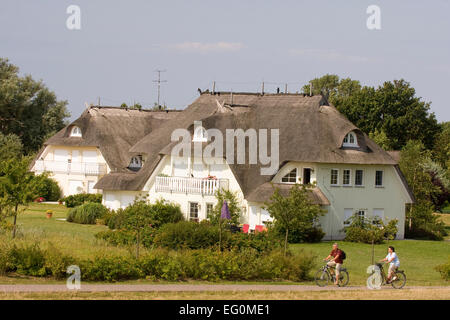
<point>200,135</point>
<point>136,163</point>
<point>75,132</point>
<point>350,140</point>
<point>291,177</point>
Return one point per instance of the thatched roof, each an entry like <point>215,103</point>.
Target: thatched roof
<point>310,131</point>
<point>266,190</point>
<point>113,130</point>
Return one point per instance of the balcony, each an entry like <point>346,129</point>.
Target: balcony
<point>85,168</point>
<point>189,185</point>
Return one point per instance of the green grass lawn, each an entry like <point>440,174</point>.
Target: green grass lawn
<point>418,258</point>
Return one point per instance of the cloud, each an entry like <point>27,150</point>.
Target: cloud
<point>328,55</point>
<point>200,47</point>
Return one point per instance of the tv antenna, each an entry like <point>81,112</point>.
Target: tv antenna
<point>159,81</point>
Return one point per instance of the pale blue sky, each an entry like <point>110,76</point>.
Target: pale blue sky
<point>236,43</point>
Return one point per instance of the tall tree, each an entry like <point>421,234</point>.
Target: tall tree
<point>392,110</point>
<point>16,186</point>
<point>28,108</point>
<point>420,219</point>
<point>10,146</point>
<point>295,212</point>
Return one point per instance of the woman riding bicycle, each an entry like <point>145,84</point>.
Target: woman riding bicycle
<point>393,261</point>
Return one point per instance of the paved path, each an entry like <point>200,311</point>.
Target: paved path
<point>183,287</point>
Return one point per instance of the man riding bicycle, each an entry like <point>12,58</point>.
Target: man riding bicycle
<point>336,261</point>
<point>393,261</point>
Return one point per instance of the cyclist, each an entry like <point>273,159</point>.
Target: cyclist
<point>393,261</point>
<point>336,261</point>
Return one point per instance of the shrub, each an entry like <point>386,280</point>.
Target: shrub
<point>87,213</point>
<point>188,234</point>
<point>366,230</point>
<point>127,237</point>
<point>110,268</point>
<point>203,235</point>
<point>46,187</point>
<point>156,214</point>
<point>27,260</point>
<point>444,270</point>
<point>78,199</point>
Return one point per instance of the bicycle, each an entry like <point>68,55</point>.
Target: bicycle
<point>398,280</point>
<point>323,276</point>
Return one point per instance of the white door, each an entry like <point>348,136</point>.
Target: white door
<point>253,218</point>
<point>75,187</point>
<point>217,170</point>
<point>198,170</point>
<point>90,156</point>
<point>180,167</point>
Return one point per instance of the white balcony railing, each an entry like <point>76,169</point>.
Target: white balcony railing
<point>86,168</point>
<point>189,185</point>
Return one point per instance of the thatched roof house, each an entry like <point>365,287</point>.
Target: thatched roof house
<point>112,130</point>
<point>310,131</point>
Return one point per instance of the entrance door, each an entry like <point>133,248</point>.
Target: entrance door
<point>306,175</point>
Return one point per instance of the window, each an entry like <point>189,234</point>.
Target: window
<point>136,162</point>
<point>193,211</point>
<point>348,213</point>
<point>76,132</point>
<point>350,140</point>
<point>346,177</point>
<point>291,177</point>
<point>378,216</point>
<point>306,175</point>
<point>358,177</point>
<point>361,214</point>
<point>378,178</point>
<point>209,209</point>
<point>334,177</point>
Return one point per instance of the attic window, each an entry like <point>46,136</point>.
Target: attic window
<point>76,132</point>
<point>350,140</point>
<point>136,163</point>
<point>291,177</point>
<point>200,135</point>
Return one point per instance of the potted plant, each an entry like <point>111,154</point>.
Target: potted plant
<point>49,214</point>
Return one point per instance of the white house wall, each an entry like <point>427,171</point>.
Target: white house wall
<point>168,166</point>
<point>77,155</point>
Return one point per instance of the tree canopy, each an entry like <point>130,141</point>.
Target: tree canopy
<point>28,109</point>
<point>392,112</point>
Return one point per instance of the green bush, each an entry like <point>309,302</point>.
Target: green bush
<point>81,198</point>
<point>87,213</point>
<point>112,268</point>
<point>203,235</point>
<point>46,187</point>
<point>189,235</point>
<point>27,260</point>
<point>444,270</point>
<point>366,230</point>
<point>157,214</point>
<point>161,264</point>
<point>127,237</point>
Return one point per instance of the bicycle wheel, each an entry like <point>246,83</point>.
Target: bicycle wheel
<point>400,281</point>
<point>322,278</point>
<point>343,278</point>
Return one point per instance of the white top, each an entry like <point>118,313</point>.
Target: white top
<point>394,262</point>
